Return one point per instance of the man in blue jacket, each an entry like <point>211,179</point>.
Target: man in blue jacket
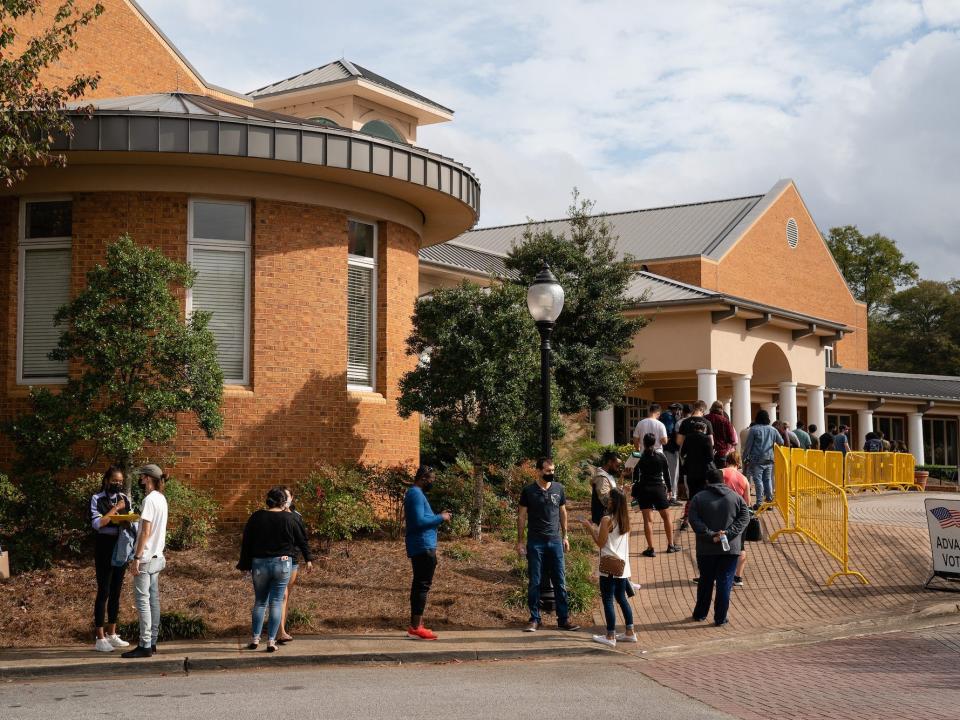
<point>421,539</point>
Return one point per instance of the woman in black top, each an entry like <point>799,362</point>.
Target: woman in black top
<point>270,539</point>
<point>104,505</point>
<point>284,636</point>
<point>650,478</point>
<point>696,458</point>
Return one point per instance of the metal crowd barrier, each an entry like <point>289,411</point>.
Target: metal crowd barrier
<point>877,472</point>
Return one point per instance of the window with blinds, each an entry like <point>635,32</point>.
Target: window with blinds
<point>361,303</point>
<point>219,250</point>
<point>43,288</point>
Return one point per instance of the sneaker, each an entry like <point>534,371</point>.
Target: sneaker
<point>138,652</point>
<point>421,633</point>
<point>738,581</point>
<point>684,525</point>
<point>673,548</point>
<point>721,623</point>
<point>604,640</point>
<point>649,552</point>
<point>623,637</point>
<point>153,649</point>
<point>636,586</point>
<point>103,645</point>
<point>695,581</point>
<point>568,626</point>
<point>533,626</point>
<point>117,641</point>
<point>272,647</point>
<point>675,503</point>
<point>698,619</point>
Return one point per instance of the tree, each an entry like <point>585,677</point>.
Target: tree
<point>478,379</point>
<point>31,113</point>
<point>140,364</point>
<point>872,265</point>
<point>921,331</point>
<point>592,333</point>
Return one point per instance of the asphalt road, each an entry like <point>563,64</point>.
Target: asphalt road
<point>601,687</point>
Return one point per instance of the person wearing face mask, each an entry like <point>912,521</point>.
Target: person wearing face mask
<point>104,505</point>
<point>284,636</point>
<point>421,542</point>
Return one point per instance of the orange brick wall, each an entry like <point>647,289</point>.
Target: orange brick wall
<point>121,46</point>
<point>763,267</point>
<point>297,410</point>
<point>690,271</point>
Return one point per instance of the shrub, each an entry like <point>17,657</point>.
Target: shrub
<point>459,553</point>
<point>498,512</point>
<point>453,491</point>
<point>299,618</point>
<point>192,516</point>
<point>390,483</point>
<point>334,503</point>
<point>581,589</point>
<point>173,626</point>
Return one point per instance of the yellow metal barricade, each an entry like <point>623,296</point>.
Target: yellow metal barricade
<point>822,515</point>
<point>904,466</point>
<point>833,468</point>
<point>784,490</point>
<point>816,461</point>
<point>856,473</point>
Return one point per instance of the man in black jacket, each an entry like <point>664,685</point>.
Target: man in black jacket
<point>696,459</point>
<point>718,516</point>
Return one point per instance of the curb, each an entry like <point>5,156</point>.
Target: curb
<point>185,665</point>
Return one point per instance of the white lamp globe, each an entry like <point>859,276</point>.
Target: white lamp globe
<point>545,297</point>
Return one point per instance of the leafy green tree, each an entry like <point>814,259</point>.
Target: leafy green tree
<point>138,365</point>
<point>920,332</point>
<point>25,137</point>
<point>478,379</point>
<point>872,265</point>
<point>592,334</point>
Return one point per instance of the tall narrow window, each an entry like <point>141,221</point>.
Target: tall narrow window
<point>361,304</point>
<point>219,250</point>
<point>43,287</point>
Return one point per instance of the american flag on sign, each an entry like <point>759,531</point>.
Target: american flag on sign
<point>946,518</point>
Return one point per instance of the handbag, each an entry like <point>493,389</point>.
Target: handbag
<point>754,531</point>
<point>612,564</point>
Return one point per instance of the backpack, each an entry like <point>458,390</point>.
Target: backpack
<point>873,445</point>
<point>669,422</point>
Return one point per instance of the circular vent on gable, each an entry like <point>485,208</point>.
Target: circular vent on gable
<point>793,233</point>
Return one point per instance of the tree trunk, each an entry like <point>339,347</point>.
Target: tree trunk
<point>476,521</point>
<point>127,476</point>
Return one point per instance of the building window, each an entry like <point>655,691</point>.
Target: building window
<point>839,420</point>
<point>828,357</point>
<point>940,441</point>
<point>793,233</point>
<point>380,129</point>
<point>43,286</point>
<point>626,416</point>
<point>891,427</point>
<point>326,122</point>
<point>361,303</point>
<point>219,250</point>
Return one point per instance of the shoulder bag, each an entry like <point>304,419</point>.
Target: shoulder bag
<point>613,564</point>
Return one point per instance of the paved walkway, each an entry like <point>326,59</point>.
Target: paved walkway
<point>785,587</point>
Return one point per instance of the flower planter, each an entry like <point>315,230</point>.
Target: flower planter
<point>920,478</point>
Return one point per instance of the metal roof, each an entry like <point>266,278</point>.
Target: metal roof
<point>656,289</point>
<point>933,387</point>
<point>187,104</point>
<point>339,71</point>
<point>675,231</point>
<point>465,259</point>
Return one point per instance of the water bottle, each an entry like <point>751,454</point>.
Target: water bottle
<point>724,543</point>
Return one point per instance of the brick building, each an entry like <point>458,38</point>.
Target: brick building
<point>747,306</point>
<point>303,206</point>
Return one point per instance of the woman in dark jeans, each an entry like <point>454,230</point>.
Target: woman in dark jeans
<point>270,539</point>
<point>104,505</point>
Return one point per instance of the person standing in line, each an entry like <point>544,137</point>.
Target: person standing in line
<point>651,424</point>
<point>696,416</point>
<point>543,505</point>
<point>148,560</point>
<point>421,543</point>
<point>696,457</point>
<point>724,436</point>
<point>107,503</point>
<point>650,491</point>
<point>758,456</point>
<point>671,450</point>
<point>814,436</point>
<point>826,439</point>
<point>719,516</point>
<point>805,441</point>
<point>602,482</point>
<point>841,441</point>
<point>887,445</point>
<point>737,481</point>
<point>612,536</point>
<point>283,636</point>
<point>873,443</point>
<point>270,539</point>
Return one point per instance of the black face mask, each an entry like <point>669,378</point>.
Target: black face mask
<point>427,485</point>
<point>114,488</point>
<point>548,477</point>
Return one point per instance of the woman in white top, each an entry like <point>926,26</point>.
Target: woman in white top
<point>612,536</point>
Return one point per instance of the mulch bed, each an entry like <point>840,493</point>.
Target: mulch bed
<point>356,587</point>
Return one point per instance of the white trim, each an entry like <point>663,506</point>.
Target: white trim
<point>226,246</point>
<point>370,263</point>
<point>23,244</point>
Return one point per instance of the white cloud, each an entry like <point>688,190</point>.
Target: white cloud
<point>890,18</point>
<point>942,12</point>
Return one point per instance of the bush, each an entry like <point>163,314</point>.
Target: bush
<point>581,588</point>
<point>334,503</point>
<point>299,618</point>
<point>390,483</point>
<point>173,626</point>
<point>459,553</point>
<point>499,514</point>
<point>192,516</point>
<point>940,472</point>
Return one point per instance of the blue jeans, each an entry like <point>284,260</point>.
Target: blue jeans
<point>762,478</point>
<point>270,578</point>
<point>546,556</point>
<point>146,594</point>
<point>611,587</point>
<point>715,570</point>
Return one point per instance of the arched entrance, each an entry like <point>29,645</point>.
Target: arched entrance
<point>772,372</point>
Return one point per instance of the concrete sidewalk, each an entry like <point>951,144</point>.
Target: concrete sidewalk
<point>380,647</point>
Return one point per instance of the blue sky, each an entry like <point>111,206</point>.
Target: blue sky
<point>642,103</point>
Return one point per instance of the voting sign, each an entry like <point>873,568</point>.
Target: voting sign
<point>943,522</point>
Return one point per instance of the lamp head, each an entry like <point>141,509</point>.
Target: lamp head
<point>545,297</point>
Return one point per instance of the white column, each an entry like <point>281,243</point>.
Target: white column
<point>865,422</point>
<point>915,436</point>
<point>788,403</point>
<point>603,426</point>
<point>771,409</point>
<point>728,406</point>
<point>741,402</point>
<point>707,386</point>
<point>816,412</point>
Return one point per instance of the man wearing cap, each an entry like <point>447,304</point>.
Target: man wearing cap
<point>148,559</point>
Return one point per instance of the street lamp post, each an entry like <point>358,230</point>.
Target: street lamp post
<point>545,302</point>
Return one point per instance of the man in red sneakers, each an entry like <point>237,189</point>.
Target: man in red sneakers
<point>421,539</point>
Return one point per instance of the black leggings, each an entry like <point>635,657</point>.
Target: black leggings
<point>109,581</point>
<point>424,565</point>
